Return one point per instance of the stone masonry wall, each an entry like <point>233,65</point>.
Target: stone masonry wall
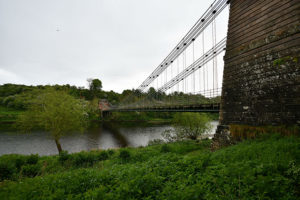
<point>261,80</point>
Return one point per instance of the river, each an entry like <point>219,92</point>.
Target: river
<point>103,137</point>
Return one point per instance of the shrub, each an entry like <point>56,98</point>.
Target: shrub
<point>30,170</point>
<point>165,148</point>
<point>84,159</point>
<point>103,155</point>
<point>63,156</point>
<point>33,159</point>
<point>78,159</point>
<point>6,171</point>
<point>20,162</point>
<point>188,126</point>
<point>110,152</point>
<point>124,155</point>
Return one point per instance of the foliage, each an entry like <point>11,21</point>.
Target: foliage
<point>19,162</point>
<point>264,168</point>
<point>141,116</point>
<point>30,170</point>
<point>164,148</point>
<point>84,159</point>
<point>33,159</point>
<point>284,60</point>
<point>103,155</point>
<point>93,109</point>
<point>19,96</point>
<point>124,155</point>
<point>54,111</point>
<point>153,98</point>
<point>7,117</point>
<point>6,171</point>
<point>63,156</point>
<point>110,152</point>
<point>188,126</point>
<point>14,166</point>
<point>95,86</point>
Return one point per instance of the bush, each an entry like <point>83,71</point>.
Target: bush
<point>103,155</point>
<point>6,171</point>
<point>188,126</point>
<point>124,154</point>
<point>20,162</point>
<point>30,170</point>
<point>33,159</point>
<point>165,148</point>
<point>63,156</point>
<point>110,152</point>
<point>84,159</point>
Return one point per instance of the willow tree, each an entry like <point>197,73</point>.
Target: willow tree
<point>56,112</point>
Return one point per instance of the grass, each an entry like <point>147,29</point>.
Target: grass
<point>264,168</point>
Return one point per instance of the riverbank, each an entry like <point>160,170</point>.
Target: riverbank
<point>265,168</point>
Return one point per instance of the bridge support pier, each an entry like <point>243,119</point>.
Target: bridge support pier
<point>261,79</point>
<point>105,114</point>
<point>222,137</point>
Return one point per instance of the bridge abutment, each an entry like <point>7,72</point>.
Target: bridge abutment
<point>261,80</point>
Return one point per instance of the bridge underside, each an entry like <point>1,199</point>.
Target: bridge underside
<point>212,108</point>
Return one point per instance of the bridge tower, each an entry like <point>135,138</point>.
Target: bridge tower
<point>261,80</point>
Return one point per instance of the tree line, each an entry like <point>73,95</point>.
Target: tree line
<point>19,96</point>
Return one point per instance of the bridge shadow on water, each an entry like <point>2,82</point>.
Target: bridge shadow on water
<point>113,128</point>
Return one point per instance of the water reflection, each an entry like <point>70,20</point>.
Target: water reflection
<point>120,139</point>
<point>102,137</point>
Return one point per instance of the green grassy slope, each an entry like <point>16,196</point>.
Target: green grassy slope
<point>258,169</point>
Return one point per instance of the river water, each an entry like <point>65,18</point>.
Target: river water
<point>103,137</point>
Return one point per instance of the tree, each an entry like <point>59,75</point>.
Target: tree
<point>188,126</point>
<point>95,87</point>
<point>56,112</point>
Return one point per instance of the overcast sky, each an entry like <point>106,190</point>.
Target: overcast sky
<point>67,41</point>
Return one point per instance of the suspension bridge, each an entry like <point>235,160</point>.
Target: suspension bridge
<point>240,58</point>
<point>189,78</point>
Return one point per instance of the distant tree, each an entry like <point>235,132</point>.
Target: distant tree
<point>95,87</point>
<point>93,109</point>
<point>94,84</point>
<point>56,112</point>
<point>137,92</point>
<point>113,97</point>
<point>151,93</point>
<point>126,93</point>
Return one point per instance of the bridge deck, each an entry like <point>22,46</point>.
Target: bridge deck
<point>171,108</point>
